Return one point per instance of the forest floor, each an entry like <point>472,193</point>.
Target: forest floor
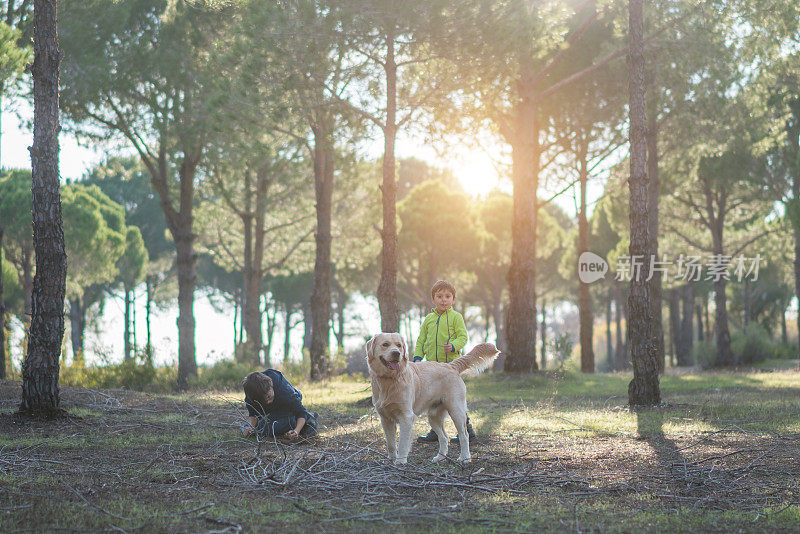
<point>555,452</point>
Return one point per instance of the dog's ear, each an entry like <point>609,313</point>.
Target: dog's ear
<point>405,348</point>
<point>369,346</point>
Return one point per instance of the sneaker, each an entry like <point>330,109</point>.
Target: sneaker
<point>470,433</point>
<point>310,429</point>
<point>430,437</point>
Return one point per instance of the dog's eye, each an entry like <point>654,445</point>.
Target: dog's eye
<point>385,345</point>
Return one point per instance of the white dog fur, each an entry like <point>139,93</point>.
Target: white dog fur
<point>403,390</point>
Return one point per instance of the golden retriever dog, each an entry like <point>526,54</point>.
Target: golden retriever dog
<point>403,390</point>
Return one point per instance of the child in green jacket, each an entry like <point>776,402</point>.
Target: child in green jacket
<point>441,338</point>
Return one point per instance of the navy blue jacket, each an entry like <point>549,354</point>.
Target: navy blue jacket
<point>287,401</point>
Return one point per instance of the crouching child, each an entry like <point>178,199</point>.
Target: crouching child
<point>275,407</point>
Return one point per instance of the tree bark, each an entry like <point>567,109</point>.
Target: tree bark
<point>784,336</point>
<point>525,148</point>
<point>653,223</point>
<point>253,220</point>
<point>700,332</point>
<point>287,330</point>
<point>544,336</point>
<point>2,314</point>
<point>77,322</point>
<point>149,290</point>
<point>126,346</point>
<point>621,361</point>
<point>686,334</point>
<point>307,326</point>
<point>644,388</point>
<point>321,294</point>
<point>40,392</point>
<point>675,323</point>
<point>586,318</point>
<point>721,330</point>
<point>387,288</point>
<point>609,345</point>
<point>271,312</point>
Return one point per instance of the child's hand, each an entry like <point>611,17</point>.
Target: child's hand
<point>247,430</point>
<point>292,434</point>
<point>449,347</point>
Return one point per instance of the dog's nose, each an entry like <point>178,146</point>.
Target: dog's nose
<point>395,354</point>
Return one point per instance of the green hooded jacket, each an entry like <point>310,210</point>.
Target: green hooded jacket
<point>438,330</point>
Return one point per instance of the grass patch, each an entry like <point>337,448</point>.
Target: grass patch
<point>555,452</point>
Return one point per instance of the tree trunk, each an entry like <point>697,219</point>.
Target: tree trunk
<point>793,134</point>
<point>653,223</point>
<point>687,325</point>
<point>746,291</point>
<point>133,319</point>
<point>127,330</point>
<point>187,365</point>
<point>675,324</point>
<point>686,334</point>
<point>271,312</point>
<point>723,335</point>
<point>619,310</point>
<point>544,336</point>
<point>497,318</point>
<point>2,314</point>
<point>387,288</point>
<point>700,333</point>
<point>180,223</point>
<point>643,389</point>
<point>784,336</point>
<point>609,345</point>
<point>307,326</point>
<point>236,327</point>
<point>321,294</point>
<point>287,330</point>
<point>40,393</point>
<point>149,289</point>
<point>77,324</point>
<point>340,306</point>
<point>253,219</point>
<point>584,298</point>
<point>525,149</point>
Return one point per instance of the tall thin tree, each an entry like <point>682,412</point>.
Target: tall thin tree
<point>40,392</point>
<point>644,388</point>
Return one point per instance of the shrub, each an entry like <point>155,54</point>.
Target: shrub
<point>752,345</point>
<point>138,373</point>
<point>704,354</point>
<point>786,352</point>
<point>225,374</point>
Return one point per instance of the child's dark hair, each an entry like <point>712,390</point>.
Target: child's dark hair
<point>442,284</point>
<point>256,385</point>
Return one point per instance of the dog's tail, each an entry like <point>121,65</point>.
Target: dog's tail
<point>476,360</point>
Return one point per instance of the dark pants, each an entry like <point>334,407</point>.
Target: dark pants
<point>275,425</point>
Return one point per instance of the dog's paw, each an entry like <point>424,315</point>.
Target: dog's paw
<point>400,461</point>
<point>464,460</point>
<point>438,458</point>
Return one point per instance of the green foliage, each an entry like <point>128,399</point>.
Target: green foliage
<point>94,234</point>
<point>562,348</point>
<point>138,373</point>
<point>752,345</point>
<point>13,296</point>
<point>786,352</point>
<point>225,374</point>
<point>704,354</point>
<point>133,262</point>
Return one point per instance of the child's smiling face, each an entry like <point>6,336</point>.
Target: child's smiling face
<point>443,300</point>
